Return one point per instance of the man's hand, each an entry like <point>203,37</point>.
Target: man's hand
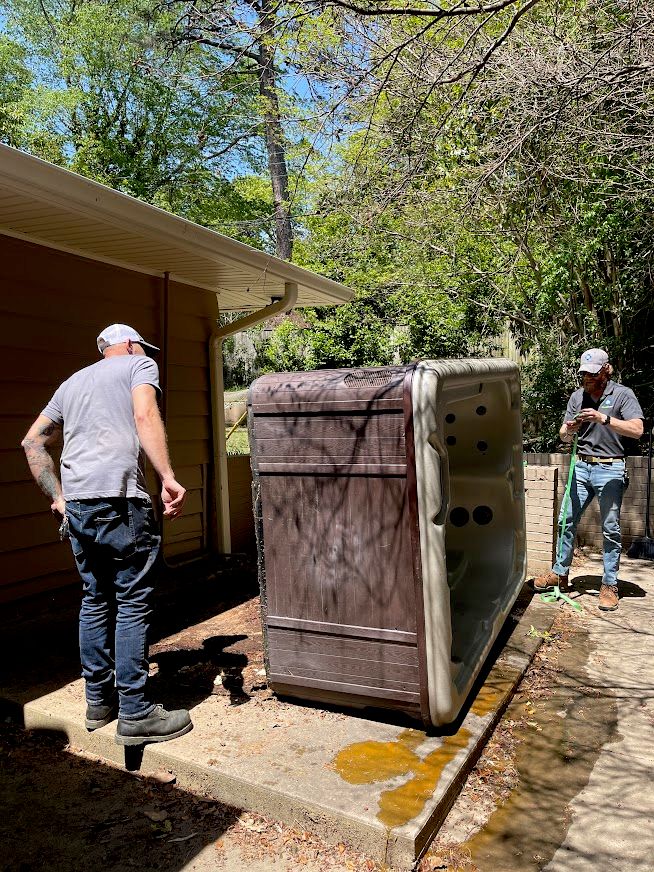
<point>585,416</point>
<point>571,427</point>
<point>172,497</point>
<point>58,508</point>
<point>588,415</point>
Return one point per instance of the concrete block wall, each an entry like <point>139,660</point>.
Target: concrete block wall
<point>541,484</point>
<point>632,516</point>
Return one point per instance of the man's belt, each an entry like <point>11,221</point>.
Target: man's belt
<point>588,459</point>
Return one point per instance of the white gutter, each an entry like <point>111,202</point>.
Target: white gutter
<point>222,534</point>
<point>44,182</point>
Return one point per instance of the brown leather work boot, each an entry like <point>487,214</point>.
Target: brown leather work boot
<point>608,598</point>
<point>549,581</point>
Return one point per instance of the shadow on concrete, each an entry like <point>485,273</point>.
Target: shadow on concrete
<point>62,812</point>
<point>39,643</point>
<point>558,742</point>
<point>192,675</point>
<point>590,585</point>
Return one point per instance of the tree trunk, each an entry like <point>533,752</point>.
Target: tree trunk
<point>274,135</point>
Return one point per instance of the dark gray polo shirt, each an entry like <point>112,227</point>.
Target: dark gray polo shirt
<point>600,440</point>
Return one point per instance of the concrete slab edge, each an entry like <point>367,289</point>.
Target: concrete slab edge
<point>204,780</point>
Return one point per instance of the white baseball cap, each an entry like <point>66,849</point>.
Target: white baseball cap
<point>593,360</point>
<point>117,333</point>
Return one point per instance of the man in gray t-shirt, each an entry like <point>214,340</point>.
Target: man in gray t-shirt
<point>605,417</point>
<point>109,419</point>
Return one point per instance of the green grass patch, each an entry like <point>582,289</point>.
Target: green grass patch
<point>238,442</point>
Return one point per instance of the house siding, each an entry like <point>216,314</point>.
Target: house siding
<point>52,306</point>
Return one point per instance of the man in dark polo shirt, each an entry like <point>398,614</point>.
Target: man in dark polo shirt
<point>603,414</point>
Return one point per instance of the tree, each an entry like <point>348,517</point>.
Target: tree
<point>14,84</point>
<point>521,149</point>
<point>243,43</point>
<point>107,112</point>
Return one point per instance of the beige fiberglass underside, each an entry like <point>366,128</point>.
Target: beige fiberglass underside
<point>468,447</point>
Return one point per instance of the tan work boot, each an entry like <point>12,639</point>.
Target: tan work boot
<point>608,598</point>
<point>549,581</point>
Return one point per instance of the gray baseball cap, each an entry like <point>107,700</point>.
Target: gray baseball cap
<point>117,333</point>
<point>593,360</point>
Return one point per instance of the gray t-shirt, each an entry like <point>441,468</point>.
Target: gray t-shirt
<point>102,456</point>
<point>597,439</point>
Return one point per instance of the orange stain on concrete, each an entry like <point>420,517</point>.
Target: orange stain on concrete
<point>371,762</point>
<point>492,694</point>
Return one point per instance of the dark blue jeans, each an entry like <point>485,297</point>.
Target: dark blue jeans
<point>116,543</point>
<point>606,482</point>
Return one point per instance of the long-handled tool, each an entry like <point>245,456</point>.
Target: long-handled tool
<point>643,548</point>
<point>556,594</point>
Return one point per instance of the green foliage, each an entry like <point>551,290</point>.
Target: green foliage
<point>238,442</point>
<point>452,211</point>
<point>99,88</point>
<point>14,83</point>
<point>287,350</point>
<point>548,378</point>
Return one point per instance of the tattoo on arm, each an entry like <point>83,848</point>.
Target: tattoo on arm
<point>42,467</point>
<point>49,484</point>
<point>48,430</point>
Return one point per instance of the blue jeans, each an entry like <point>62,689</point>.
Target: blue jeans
<point>116,543</point>
<point>606,482</point>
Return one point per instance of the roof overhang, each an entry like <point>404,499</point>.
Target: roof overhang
<point>46,204</point>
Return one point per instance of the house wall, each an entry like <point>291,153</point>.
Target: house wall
<point>240,504</point>
<point>52,306</point>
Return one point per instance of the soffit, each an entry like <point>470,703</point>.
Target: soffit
<point>46,204</point>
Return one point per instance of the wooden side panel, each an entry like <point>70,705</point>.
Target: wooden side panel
<point>52,306</point>
<point>366,664</point>
<point>336,550</point>
<point>330,471</point>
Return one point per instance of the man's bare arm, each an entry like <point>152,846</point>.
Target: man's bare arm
<point>42,434</point>
<point>632,427</point>
<point>152,436</point>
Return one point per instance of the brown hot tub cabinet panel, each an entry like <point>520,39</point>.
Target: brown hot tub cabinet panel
<point>390,528</point>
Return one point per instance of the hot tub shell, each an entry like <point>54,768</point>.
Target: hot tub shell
<point>390,515</point>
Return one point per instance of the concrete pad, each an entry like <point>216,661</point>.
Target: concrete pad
<point>383,787</point>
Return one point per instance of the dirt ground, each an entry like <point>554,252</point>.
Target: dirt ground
<point>62,811</point>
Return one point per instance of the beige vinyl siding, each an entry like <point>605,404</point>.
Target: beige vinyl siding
<point>192,313</point>
<point>52,305</point>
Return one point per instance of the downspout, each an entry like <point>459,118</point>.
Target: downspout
<point>222,533</point>
<point>163,383</point>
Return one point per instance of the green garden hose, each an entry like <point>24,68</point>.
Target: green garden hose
<point>553,596</point>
